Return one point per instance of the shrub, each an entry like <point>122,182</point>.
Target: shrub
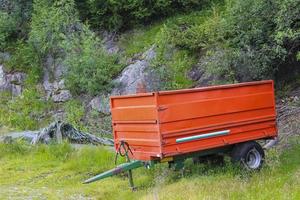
<point>24,58</point>
<point>7,27</point>
<point>116,15</point>
<point>14,21</point>
<point>27,111</point>
<point>197,31</point>
<point>74,113</point>
<point>172,64</point>
<point>51,20</point>
<point>248,40</point>
<point>90,68</point>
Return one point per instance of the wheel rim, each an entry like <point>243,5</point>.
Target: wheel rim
<point>253,159</point>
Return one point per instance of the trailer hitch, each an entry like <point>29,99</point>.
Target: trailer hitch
<point>123,151</point>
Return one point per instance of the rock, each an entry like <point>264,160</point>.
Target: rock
<point>101,104</point>
<point>11,82</point>
<point>136,74</point>
<point>16,90</point>
<point>52,80</point>
<point>136,77</point>
<point>4,56</point>
<point>59,71</point>
<point>58,115</point>
<point>195,73</point>
<point>109,43</point>
<point>150,54</point>
<point>2,77</point>
<point>61,96</point>
<point>200,73</point>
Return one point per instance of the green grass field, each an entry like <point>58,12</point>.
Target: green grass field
<point>57,171</point>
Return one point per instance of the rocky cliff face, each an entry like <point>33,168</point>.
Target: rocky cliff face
<point>53,82</point>
<point>11,82</point>
<point>136,76</point>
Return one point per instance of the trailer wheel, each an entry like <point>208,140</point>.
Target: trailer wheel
<point>250,155</point>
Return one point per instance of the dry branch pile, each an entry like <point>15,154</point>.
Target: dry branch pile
<point>59,131</point>
<point>288,119</point>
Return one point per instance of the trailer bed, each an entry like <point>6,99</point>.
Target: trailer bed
<point>169,123</point>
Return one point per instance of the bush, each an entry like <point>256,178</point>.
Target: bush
<point>116,15</point>
<point>24,58</point>
<point>26,112</point>
<point>14,20</point>
<point>197,31</point>
<point>74,113</point>
<point>248,40</point>
<point>51,20</point>
<point>90,68</point>
<point>7,27</point>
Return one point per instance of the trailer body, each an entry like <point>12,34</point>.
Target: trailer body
<point>166,124</point>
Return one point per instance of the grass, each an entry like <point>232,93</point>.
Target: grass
<point>139,39</point>
<point>56,171</point>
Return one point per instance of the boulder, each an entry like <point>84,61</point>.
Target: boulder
<point>11,82</point>
<point>101,104</point>
<point>136,74</point>
<point>109,43</point>
<point>61,96</point>
<point>52,81</point>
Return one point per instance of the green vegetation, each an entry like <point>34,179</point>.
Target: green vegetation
<point>26,112</point>
<point>74,113</point>
<point>90,68</point>
<point>239,40</point>
<point>116,15</point>
<point>14,21</point>
<point>56,171</point>
<point>140,39</point>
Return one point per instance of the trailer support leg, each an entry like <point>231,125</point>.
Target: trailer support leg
<point>133,188</point>
<point>127,149</point>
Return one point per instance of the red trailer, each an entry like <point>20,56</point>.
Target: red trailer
<point>169,126</point>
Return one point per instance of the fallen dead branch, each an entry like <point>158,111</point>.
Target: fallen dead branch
<point>58,131</point>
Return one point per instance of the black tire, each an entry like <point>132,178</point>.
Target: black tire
<point>250,155</point>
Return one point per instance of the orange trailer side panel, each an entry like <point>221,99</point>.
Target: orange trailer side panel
<point>216,116</point>
<point>169,123</point>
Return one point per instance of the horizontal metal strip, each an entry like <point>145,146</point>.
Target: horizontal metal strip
<point>135,122</point>
<point>202,136</point>
<point>132,96</point>
<point>217,87</point>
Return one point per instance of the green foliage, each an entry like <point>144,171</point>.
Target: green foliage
<point>173,70</point>
<point>25,59</point>
<point>14,20</point>
<point>51,20</point>
<point>260,36</point>
<point>116,15</point>
<point>90,68</point>
<point>139,40</point>
<point>239,40</point>
<point>7,27</point>
<point>196,31</point>
<point>24,112</point>
<point>74,113</point>
<point>14,148</point>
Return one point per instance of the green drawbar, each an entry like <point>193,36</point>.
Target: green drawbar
<point>121,168</point>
